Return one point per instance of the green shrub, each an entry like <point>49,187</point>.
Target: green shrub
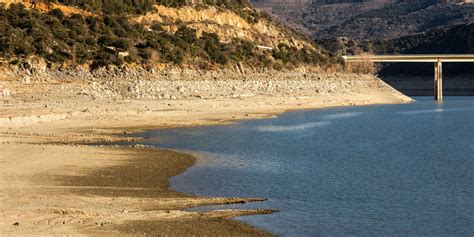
<point>145,53</point>
<point>98,39</point>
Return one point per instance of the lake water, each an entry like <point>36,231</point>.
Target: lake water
<point>392,170</point>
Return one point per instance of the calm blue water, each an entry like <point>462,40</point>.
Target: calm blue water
<point>394,170</point>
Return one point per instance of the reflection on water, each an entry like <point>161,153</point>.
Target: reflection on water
<point>293,128</point>
<point>342,115</point>
<point>365,171</point>
<point>439,110</point>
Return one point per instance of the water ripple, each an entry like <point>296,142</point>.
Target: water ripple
<point>342,115</point>
<point>293,128</point>
<point>432,111</point>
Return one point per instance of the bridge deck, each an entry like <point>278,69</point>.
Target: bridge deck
<point>438,61</point>
<point>453,58</point>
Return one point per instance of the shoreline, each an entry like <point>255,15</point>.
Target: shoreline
<point>100,120</point>
<point>110,200</point>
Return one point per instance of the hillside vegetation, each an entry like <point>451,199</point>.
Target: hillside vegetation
<point>142,6</point>
<point>371,19</point>
<point>401,19</point>
<point>455,40</point>
<point>152,32</point>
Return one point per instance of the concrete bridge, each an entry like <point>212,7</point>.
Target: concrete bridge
<point>438,61</point>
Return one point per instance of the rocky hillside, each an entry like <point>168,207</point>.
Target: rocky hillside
<point>151,33</point>
<point>454,40</point>
<point>457,39</point>
<point>226,24</point>
<point>371,19</point>
<point>348,27</point>
<point>287,11</point>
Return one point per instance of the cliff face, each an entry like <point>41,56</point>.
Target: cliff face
<point>226,24</point>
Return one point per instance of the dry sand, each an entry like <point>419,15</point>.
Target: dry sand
<point>52,186</point>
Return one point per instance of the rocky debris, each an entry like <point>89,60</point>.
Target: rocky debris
<point>26,80</point>
<point>34,65</point>
<point>207,87</point>
<point>120,83</point>
<point>6,90</point>
<point>33,119</point>
<point>213,89</point>
<point>5,93</point>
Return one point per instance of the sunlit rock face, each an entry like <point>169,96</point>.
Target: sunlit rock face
<point>8,2</point>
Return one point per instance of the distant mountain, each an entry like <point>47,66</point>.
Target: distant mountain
<point>348,27</point>
<point>369,19</point>
<point>457,39</point>
<point>454,40</point>
<point>194,33</point>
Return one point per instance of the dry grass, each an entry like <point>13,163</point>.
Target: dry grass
<point>365,66</point>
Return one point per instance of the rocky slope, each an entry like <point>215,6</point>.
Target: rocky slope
<point>372,19</point>
<point>152,34</point>
<point>458,39</point>
<point>177,83</point>
<point>455,40</point>
<point>226,24</point>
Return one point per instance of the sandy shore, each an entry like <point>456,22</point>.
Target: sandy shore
<point>51,185</point>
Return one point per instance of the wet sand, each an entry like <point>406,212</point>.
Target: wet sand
<point>61,189</point>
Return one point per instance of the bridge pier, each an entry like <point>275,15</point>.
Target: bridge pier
<point>419,58</point>
<point>438,81</point>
